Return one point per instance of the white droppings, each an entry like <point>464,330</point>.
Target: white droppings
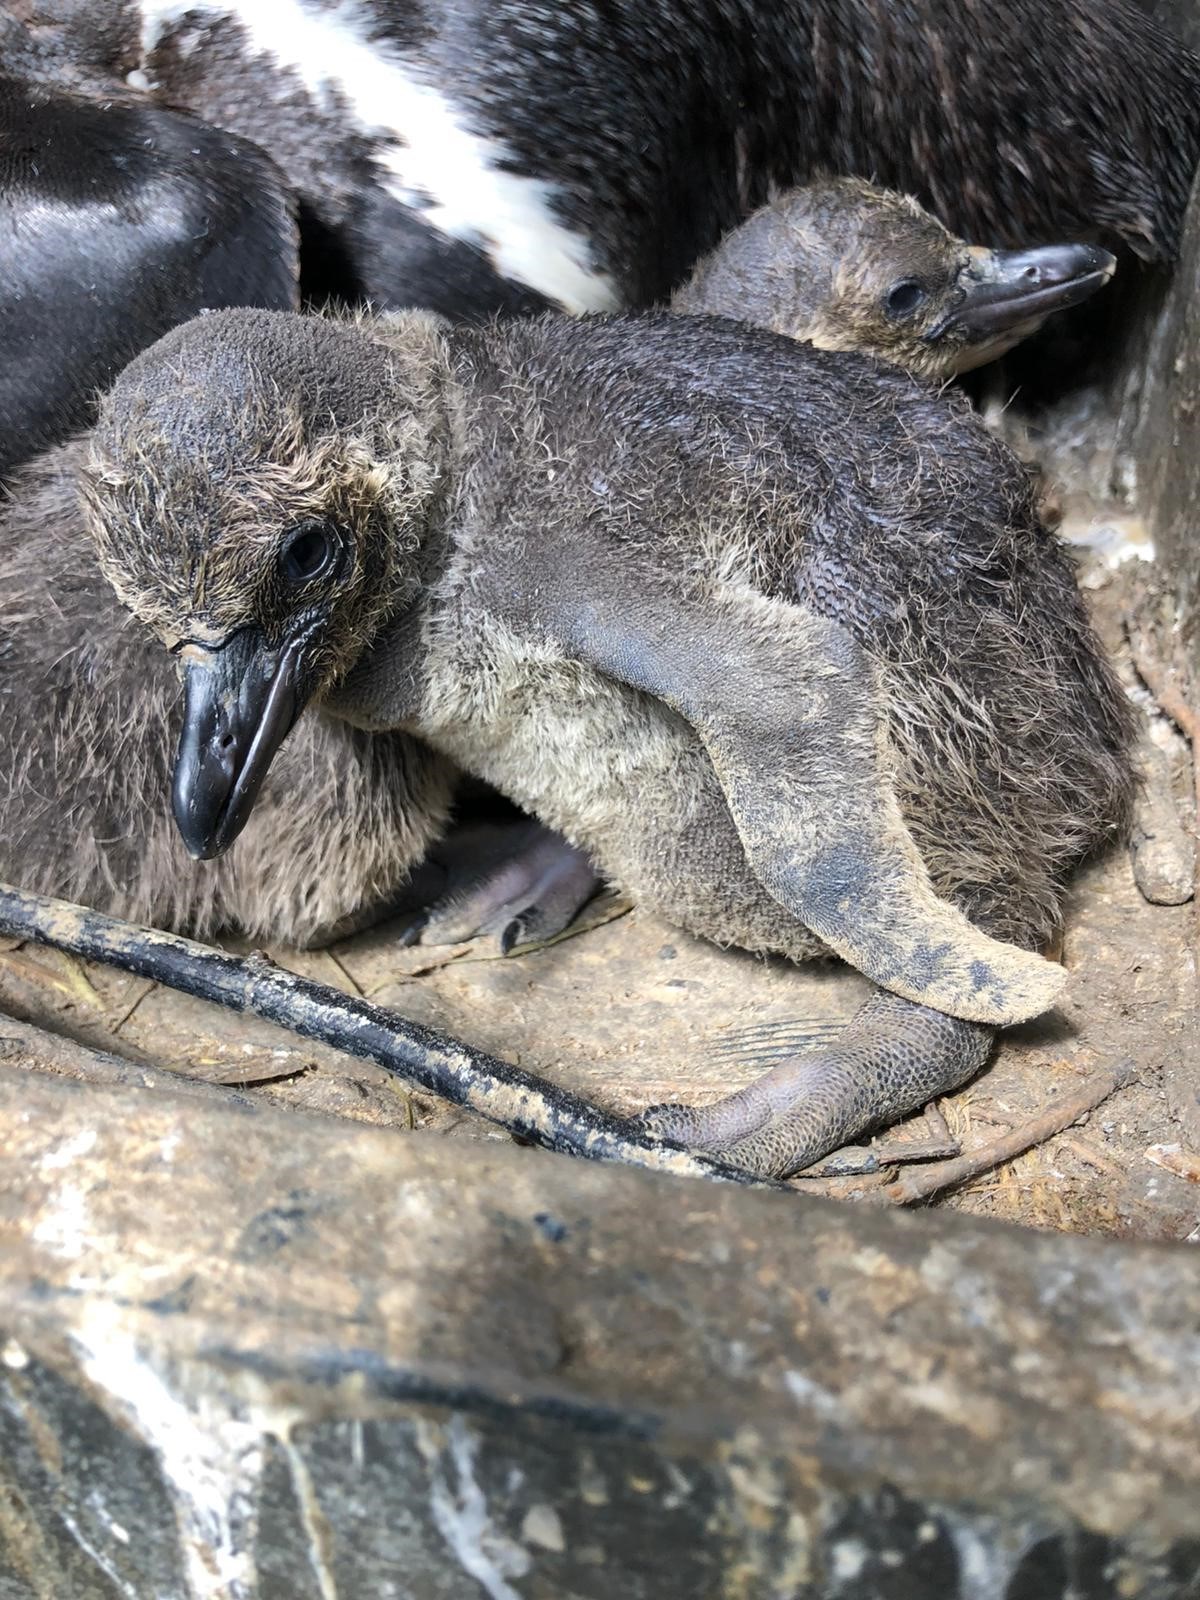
<point>984,1566</point>
<point>822,1402</point>
<point>98,1557</point>
<point>680,1491</point>
<point>62,1227</point>
<point>95,1500</point>
<point>212,1460</point>
<point>70,1150</point>
<point>543,1525</point>
<point>14,1356</point>
<point>430,158</point>
<point>461,1514</point>
<point>847,1559</point>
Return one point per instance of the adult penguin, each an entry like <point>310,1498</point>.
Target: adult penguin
<point>500,154</point>
<point>118,221</point>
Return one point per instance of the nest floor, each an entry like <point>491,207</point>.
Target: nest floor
<point>627,1011</point>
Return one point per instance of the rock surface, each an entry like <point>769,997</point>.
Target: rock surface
<point>1160,428</point>
<point>261,1354</point>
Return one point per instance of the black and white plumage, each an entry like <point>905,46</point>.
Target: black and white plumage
<point>119,220</point>
<point>473,155</point>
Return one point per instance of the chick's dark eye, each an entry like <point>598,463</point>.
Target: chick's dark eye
<point>308,552</point>
<point>903,298</point>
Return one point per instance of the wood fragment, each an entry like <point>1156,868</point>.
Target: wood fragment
<point>856,1160</point>
<point>939,1128</point>
<point>1093,1157</point>
<point>525,1106</point>
<point>39,1050</point>
<point>917,1186</point>
<point>1174,1158</point>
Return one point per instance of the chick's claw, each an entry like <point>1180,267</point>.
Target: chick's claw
<point>517,883</point>
<point>712,1129</point>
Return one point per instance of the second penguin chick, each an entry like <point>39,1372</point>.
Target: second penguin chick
<point>844,265</point>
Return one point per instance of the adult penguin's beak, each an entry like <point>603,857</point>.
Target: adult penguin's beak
<point>1008,293</point>
<point>241,700</point>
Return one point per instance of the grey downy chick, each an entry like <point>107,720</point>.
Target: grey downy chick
<point>351,827</point>
<point>639,575</point>
<point>84,816</point>
<point>844,265</point>
<point>89,726</point>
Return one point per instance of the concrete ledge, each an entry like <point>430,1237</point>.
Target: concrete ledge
<point>261,1355</point>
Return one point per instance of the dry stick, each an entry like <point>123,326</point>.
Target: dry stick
<point>931,1180</point>
<point>525,1106</point>
<point>860,1161</point>
<point>60,1057</point>
<point>940,1128</point>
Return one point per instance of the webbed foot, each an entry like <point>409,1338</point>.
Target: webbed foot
<point>513,881</point>
<point>893,1058</point>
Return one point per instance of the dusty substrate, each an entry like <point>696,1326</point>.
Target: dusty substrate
<point>628,1011</point>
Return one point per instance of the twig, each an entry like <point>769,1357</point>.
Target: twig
<point>938,1127</point>
<point>58,1056</point>
<point>1169,698</point>
<point>1174,1158</point>
<point>1094,1158</point>
<point>354,987</point>
<point>931,1180</point>
<point>525,1106</point>
<point>858,1161</point>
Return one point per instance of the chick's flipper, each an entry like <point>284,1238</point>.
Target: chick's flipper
<point>892,1059</point>
<point>788,709</point>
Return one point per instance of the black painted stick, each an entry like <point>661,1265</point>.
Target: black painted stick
<point>525,1106</point>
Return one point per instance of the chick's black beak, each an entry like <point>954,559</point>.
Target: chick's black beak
<point>241,700</point>
<point>1008,290</point>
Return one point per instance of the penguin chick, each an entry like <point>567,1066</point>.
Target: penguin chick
<point>844,265</point>
<point>89,723</point>
<point>818,262</point>
<point>638,574</point>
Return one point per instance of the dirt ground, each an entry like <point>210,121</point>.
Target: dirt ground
<point>628,1011</point>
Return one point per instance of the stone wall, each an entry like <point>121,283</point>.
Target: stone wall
<point>1159,381</point>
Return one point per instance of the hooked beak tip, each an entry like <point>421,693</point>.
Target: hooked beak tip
<point>1014,291</point>
<point>241,700</point>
